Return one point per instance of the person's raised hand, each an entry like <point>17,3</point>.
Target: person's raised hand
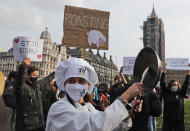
<point>121,70</point>
<point>26,62</point>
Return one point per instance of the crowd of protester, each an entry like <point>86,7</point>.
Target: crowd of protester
<point>28,101</point>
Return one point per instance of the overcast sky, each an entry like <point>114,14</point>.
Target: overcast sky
<point>30,17</point>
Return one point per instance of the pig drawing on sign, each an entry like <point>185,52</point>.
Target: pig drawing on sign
<point>96,37</point>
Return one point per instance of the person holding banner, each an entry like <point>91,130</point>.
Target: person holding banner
<point>173,94</point>
<point>76,76</point>
<point>29,112</point>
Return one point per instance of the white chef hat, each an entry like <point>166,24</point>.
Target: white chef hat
<point>75,67</point>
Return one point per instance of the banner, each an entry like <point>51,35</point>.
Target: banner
<point>86,28</point>
<point>24,47</point>
<point>128,64</point>
<point>177,63</point>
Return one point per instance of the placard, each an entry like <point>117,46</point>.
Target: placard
<point>24,47</point>
<point>86,28</point>
<point>128,64</point>
<point>177,63</point>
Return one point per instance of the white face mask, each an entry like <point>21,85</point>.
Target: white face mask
<point>76,91</point>
<point>174,88</point>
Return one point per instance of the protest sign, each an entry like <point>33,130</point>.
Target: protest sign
<point>24,47</point>
<point>128,64</point>
<point>177,63</point>
<point>86,28</point>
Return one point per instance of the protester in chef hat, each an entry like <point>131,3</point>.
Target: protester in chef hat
<point>76,68</point>
<point>72,113</point>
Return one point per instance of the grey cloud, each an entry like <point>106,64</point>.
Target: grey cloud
<point>13,19</point>
<point>54,5</point>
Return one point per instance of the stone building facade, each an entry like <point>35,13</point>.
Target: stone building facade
<point>7,62</point>
<point>51,52</point>
<point>106,69</point>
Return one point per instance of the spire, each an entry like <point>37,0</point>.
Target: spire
<point>153,14</point>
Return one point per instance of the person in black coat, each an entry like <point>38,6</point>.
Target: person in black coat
<point>9,94</point>
<point>173,94</point>
<point>29,110</point>
<point>151,106</point>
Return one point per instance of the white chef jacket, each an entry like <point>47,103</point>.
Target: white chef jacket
<point>63,116</point>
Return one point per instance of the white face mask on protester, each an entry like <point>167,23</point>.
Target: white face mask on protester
<point>76,91</point>
<point>174,88</point>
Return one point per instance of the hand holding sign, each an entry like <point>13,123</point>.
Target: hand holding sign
<point>121,70</point>
<point>26,62</point>
<point>24,47</point>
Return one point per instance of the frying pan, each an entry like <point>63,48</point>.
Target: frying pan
<point>147,58</point>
